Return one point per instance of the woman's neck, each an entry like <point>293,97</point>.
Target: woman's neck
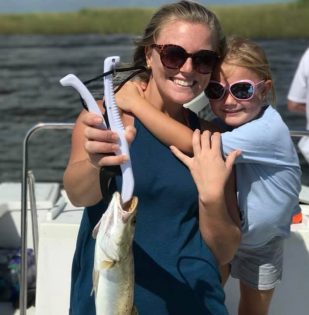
<point>173,110</point>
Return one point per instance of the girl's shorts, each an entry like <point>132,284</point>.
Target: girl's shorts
<point>259,268</point>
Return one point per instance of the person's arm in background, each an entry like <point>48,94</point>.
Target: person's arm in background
<point>296,107</point>
<point>91,149</point>
<point>299,89</point>
<point>219,227</point>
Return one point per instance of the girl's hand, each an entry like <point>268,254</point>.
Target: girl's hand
<point>101,144</point>
<point>130,95</point>
<point>207,166</point>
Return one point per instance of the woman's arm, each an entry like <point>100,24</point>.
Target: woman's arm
<point>219,224</point>
<point>91,149</point>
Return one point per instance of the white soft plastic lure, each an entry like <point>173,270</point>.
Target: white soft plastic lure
<point>113,272</point>
<point>117,126</point>
<point>73,81</point>
<point>114,119</point>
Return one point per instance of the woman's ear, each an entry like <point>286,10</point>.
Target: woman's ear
<point>148,56</point>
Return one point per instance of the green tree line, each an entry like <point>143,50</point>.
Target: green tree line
<point>280,20</point>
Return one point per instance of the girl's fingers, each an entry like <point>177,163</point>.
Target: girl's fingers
<point>206,140</point>
<point>181,156</point>
<point>230,159</point>
<point>196,142</point>
<point>216,141</point>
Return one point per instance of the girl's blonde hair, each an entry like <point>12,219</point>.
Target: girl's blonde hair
<point>243,52</point>
<point>187,11</point>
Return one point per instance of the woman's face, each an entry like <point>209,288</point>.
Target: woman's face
<point>238,112</point>
<point>178,86</point>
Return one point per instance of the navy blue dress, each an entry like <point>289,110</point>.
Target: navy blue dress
<point>175,271</point>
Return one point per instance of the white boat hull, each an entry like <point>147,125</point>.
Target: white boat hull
<point>57,238</point>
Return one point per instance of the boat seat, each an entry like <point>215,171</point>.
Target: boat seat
<point>304,194</point>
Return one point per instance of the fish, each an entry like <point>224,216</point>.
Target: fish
<point>113,270</point>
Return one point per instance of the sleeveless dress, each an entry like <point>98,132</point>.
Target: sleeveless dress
<point>175,271</point>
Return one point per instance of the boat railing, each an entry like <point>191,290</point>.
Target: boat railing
<point>28,182</point>
<point>299,133</point>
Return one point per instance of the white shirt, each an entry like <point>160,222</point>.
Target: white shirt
<point>299,89</point>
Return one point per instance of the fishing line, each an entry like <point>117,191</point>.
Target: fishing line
<point>138,69</point>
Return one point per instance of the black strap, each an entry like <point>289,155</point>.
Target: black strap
<point>138,69</point>
<point>106,175</point>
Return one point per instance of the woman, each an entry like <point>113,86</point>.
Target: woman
<point>176,271</point>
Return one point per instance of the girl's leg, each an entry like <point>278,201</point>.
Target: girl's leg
<point>254,301</point>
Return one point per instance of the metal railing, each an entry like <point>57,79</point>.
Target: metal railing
<point>27,178</point>
<point>299,133</point>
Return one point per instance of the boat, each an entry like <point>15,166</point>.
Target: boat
<point>52,236</point>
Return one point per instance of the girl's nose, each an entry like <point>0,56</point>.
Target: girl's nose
<point>229,99</point>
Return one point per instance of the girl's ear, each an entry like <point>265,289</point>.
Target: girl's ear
<point>267,87</point>
<point>266,90</point>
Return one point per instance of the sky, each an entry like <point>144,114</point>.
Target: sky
<point>21,6</point>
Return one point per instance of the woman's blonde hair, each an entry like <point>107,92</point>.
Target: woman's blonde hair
<point>243,52</point>
<point>187,11</point>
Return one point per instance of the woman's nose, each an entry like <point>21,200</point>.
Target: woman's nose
<point>187,66</point>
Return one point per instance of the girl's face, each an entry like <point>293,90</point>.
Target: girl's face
<point>178,86</point>
<point>235,112</point>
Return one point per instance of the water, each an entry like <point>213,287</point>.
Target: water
<point>31,67</point>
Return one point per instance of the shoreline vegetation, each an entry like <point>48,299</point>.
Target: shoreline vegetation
<point>285,20</point>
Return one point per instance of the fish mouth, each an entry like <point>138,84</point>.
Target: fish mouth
<point>130,205</point>
<point>129,209</point>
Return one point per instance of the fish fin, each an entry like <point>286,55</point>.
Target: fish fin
<point>107,264</point>
<point>96,230</point>
<point>134,310</point>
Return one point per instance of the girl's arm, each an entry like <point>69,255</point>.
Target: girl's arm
<point>219,225</point>
<point>131,98</point>
<point>91,149</point>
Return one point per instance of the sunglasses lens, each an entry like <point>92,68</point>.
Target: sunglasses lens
<point>214,91</point>
<point>242,90</point>
<point>173,57</point>
<point>204,61</point>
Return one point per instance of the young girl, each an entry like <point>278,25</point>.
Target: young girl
<point>267,171</point>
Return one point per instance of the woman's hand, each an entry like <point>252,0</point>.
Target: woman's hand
<point>92,148</point>
<point>208,168</point>
<point>102,144</point>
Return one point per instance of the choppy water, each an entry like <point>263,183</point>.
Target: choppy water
<point>30,70</point>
